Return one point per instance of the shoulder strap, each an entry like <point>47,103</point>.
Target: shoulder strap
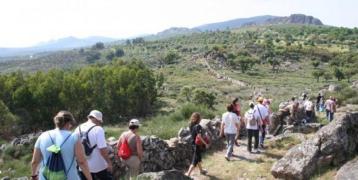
<point>90,130</point>
<point>258,108</point>
<point>53,142</point>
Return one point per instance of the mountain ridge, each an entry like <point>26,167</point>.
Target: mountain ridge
<point>71,42</point>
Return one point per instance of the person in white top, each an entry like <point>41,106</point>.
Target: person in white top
<point>309,109</point>
<point>252,126</point>
<point>230,127</point>
<point>261,113</point>
<point>99,163</point>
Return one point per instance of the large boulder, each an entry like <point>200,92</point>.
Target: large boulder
<point>163,175</point>
<point>348,171</point>
<point>332,144</point>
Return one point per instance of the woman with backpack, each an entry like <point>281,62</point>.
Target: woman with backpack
<point>60,149</point>
<point>197,135</point>
<point>130,148</point>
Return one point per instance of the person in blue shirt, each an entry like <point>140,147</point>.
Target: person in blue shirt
<point>71,150</point>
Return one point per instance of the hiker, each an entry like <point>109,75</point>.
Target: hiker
<point>196,133</point>
<point>261,113</point>
<point>309,108</point>
<point>252,126</point>
<point>230,126</point>
<point>98,160</point>
<point>69,146</point>
<point>330,108</point>
<point>289,110</point>
<point>237,108</point>
<point>132,138</point>
<point>319,102</point>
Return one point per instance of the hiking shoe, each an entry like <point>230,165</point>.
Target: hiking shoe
<point>262,146</point>
<point>204,172</point>
<point>256,151</point>
<point>227,158</point>
<point>237,144</point>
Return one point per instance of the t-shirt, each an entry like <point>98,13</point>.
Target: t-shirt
<point>96,162</point>
<point>67,150</point>
<point>308,105</point>
<point>195,130</point>
<point>328,104</point>
<point>261,112</point>
<point>230,121</point>
<point>248,116</point>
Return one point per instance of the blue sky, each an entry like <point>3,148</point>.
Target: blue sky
<point>27,22</point>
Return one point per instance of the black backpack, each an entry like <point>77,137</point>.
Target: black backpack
<point>55,168</point>
<point>85,141</point>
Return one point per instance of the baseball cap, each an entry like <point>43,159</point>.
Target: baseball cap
<point>96,114</point>
<point>260,99</point>
<point>134,122</point>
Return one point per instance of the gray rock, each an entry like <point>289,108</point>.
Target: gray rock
<point>163,175</point>
<point>5,178</point>
<point>348,171</point>
<point>334,87</point>
<point>332,144</point>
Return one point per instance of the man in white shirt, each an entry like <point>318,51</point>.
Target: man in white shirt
<point>99,163</point>
<point>261,113</point>
<point>230,127</point>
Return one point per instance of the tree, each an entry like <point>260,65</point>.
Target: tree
<point>338,73</point>
<point>201,96</point>
<point>93,56</point>
<point>317,74</point>
<point>98,46</point>
<point>315,64</point>
<point>186,93</point>
<point>170,58</point>
<point>7,121</point>
<point>119,52</point>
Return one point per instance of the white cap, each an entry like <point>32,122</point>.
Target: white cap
<point>96,114</point>
<point>134,122</point>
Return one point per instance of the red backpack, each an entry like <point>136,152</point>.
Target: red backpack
<point>124,151</point>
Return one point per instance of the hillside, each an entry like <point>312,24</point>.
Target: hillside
<point>200,72</point>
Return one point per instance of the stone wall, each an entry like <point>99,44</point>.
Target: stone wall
<point>159,155</point>
<point>333,144</point>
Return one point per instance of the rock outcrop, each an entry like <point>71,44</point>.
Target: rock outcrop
<point>332,144</point>
<point>163,175</point>
<point>348,171</point>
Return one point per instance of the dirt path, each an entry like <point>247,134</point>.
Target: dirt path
<point>216,74</point>
<point>243,165</point>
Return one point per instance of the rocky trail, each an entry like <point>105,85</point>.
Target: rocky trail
<point>243,164</point>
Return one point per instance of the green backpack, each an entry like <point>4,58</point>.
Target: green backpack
<point>55,168</point>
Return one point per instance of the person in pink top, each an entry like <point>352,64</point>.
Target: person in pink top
<point>330,105</point>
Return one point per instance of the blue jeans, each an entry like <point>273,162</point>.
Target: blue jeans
<point>263,134</point>
<point>230,138</point>
<point>329,115</point>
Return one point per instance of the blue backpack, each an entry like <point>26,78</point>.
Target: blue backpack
<point>55,168</point>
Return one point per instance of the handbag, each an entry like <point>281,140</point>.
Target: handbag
<point>199,142</point>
